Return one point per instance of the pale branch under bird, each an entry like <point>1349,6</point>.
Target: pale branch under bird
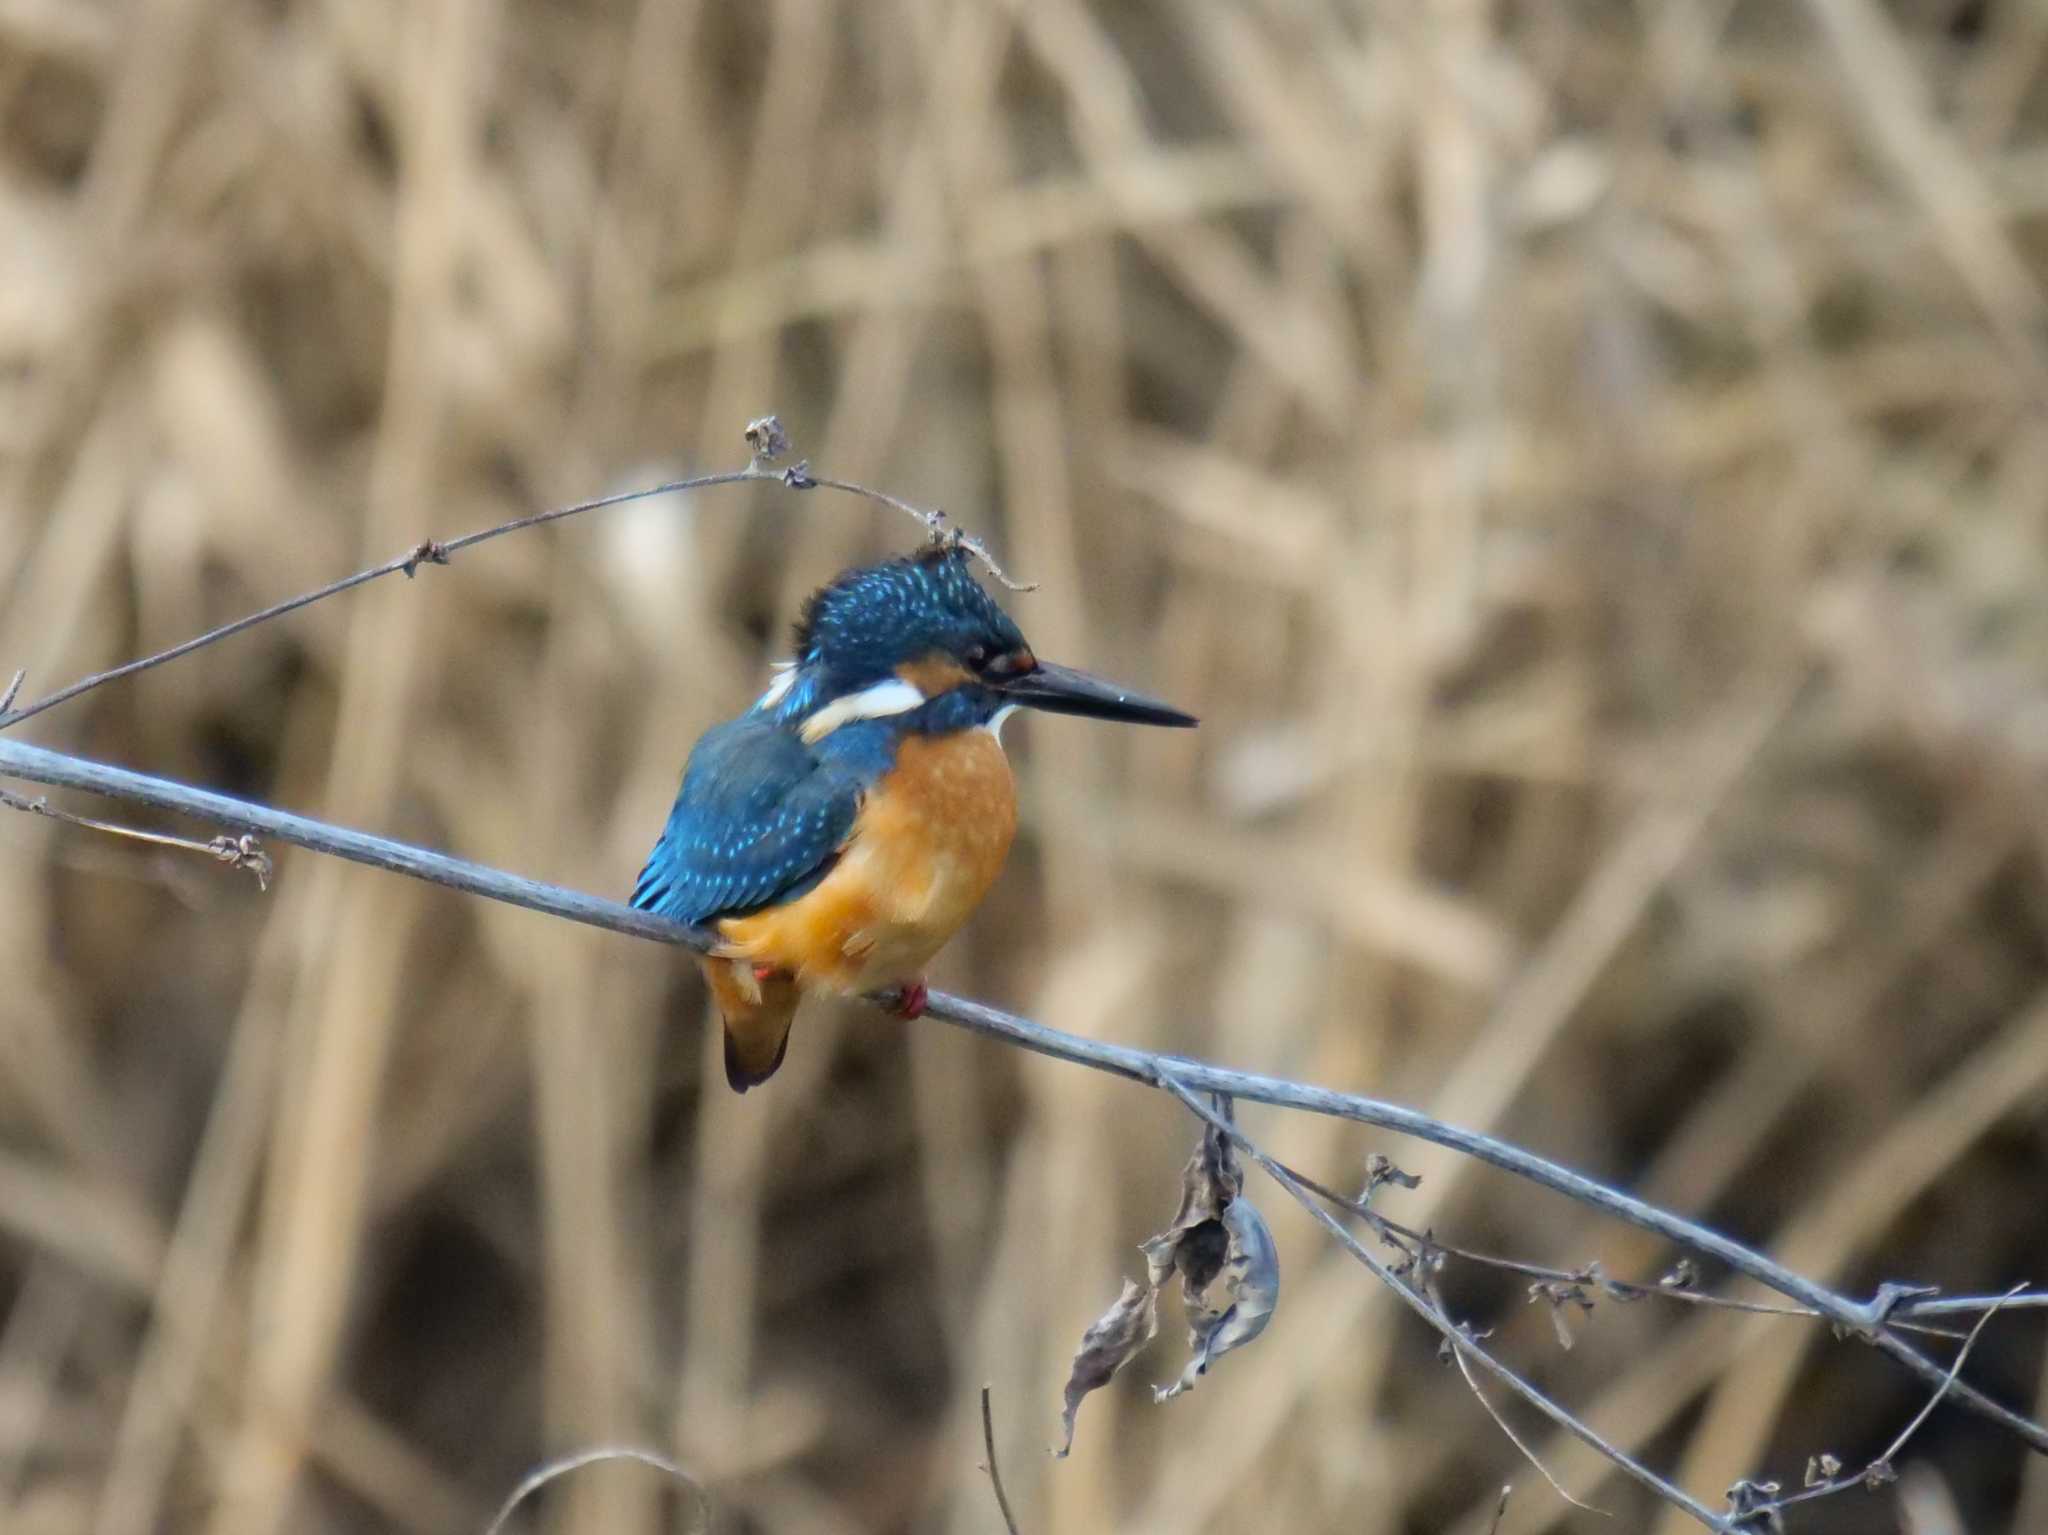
<point>1870,1320</point>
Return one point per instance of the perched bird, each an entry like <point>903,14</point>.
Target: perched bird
<point>840,831</point>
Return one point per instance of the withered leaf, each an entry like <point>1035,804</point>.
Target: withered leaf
<point>1107,1347</point>
<point>768,438</point>
<point>1208,1183</point>
<point>1754,1506</point>
<point>1250,1271</point>
<point>1215,1234</point>
<point>1821,1468</point>
<point>1561,1295</point>
<point>1380,1171</point>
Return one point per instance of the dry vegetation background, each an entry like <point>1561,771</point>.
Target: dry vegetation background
<point>1585,462</point>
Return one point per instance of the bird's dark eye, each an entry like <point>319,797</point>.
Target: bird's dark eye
<point>977,656</point>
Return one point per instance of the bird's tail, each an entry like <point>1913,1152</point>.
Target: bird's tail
<point>757,1010</point>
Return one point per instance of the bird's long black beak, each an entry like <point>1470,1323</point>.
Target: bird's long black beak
<point>1062,690</point>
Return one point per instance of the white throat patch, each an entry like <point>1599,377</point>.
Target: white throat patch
<point>995,723</point>
<point>894,696</point>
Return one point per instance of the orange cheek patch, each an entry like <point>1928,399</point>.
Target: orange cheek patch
<point>933,674</point>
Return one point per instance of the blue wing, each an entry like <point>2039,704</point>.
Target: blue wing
<point>760,818</point>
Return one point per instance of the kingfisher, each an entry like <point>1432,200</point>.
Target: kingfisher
<point>835,835</point>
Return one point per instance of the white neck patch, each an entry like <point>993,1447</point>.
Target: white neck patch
<point>995,724</point>
<point>894,696</point>
<point>778,689</point>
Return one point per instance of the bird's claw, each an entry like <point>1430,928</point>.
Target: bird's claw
<point>907,1001</point>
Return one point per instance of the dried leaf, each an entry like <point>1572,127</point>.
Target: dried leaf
<point>1561,1295</point>
<point>1210,1180</point>
<point>1215,1234</point>
<point>1107,1347</point>
<point>1251,1280</point>
<point>1753,1506</point>
<point>1208,1183</point>
<point>1821,1468</point>
<point>768,438</point>
<point>1380,1171</point>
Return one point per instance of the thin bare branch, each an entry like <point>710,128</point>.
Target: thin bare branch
<point>942,528</point>
<point>995,1474</point>
<point>1954,1371</point>
<point>770,442</point>
<point>1882,1471</point>
<point>1500,1419</point>
<point>1960,1305</point>
<point>237,852</point>
<point>765,436</point>
<point>1590,1277</point>
<point>426,552</point>
<point>1871,1321</point>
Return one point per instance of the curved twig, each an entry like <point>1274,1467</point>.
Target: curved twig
<point>765,437</point>
<point>554,1470</point>
<point>995,1475</point>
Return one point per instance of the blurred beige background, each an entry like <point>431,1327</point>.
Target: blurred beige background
<point>1585,463</point>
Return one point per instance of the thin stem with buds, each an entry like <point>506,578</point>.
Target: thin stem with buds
<point>1415,1245</point>
<point>765,437</point>
<point>243,852</point>
<point>1171,1079</point>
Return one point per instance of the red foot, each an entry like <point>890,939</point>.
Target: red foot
<point>764,972</point>
<point>908,1001</point>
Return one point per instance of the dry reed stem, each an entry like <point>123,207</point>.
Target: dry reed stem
<point>995,1475</point>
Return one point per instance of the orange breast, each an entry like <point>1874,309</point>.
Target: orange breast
<point>929,841</point>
